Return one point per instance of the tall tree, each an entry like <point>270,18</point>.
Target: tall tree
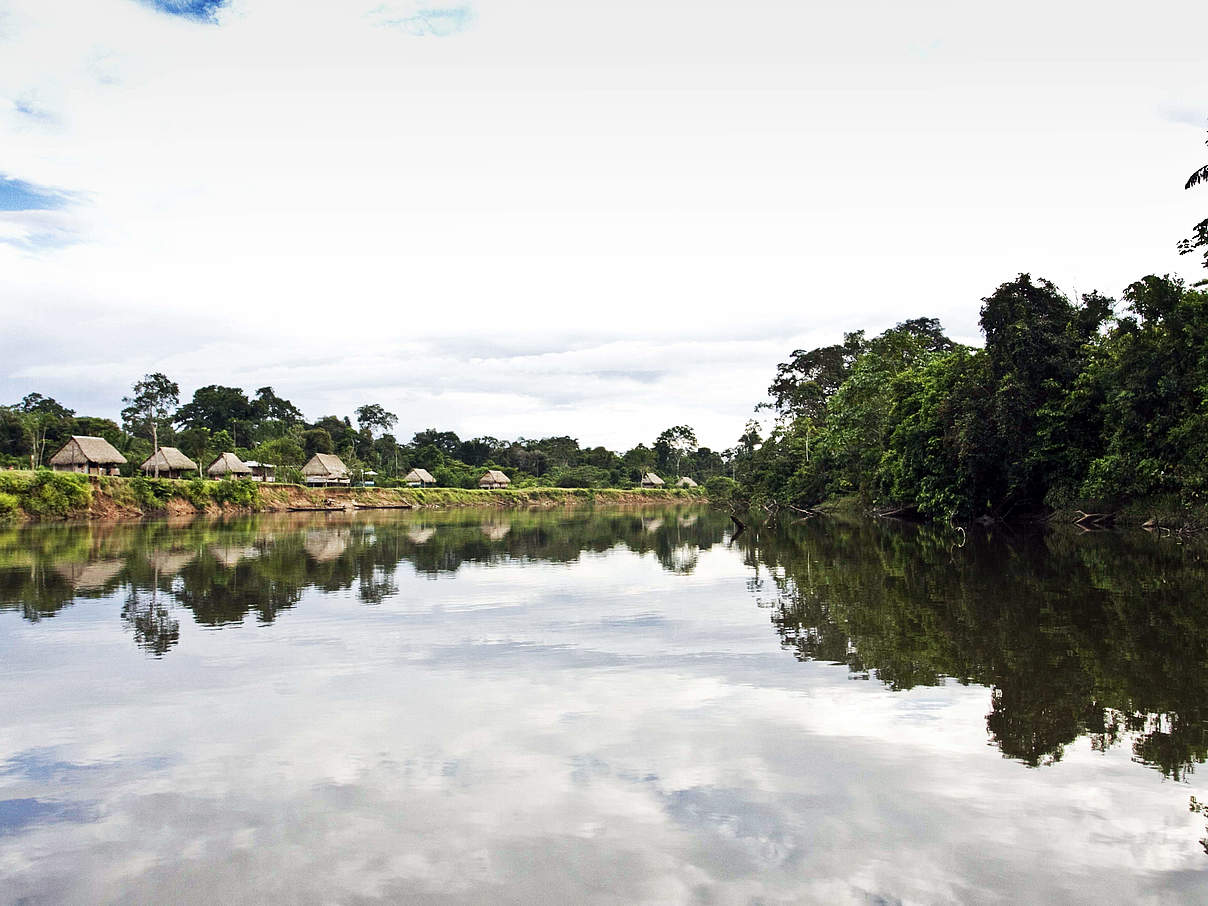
<point>150,406</point>
<point>44,417</point>
<point>375,417</point>
<point>1199,233</point>
<point>675,443</point>
<point>219,408</point>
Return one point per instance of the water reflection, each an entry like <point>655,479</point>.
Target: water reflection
<point>222,571</point>
<point>1077,634</point>
<point>609,706</point>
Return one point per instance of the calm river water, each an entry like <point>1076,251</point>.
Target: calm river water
<point>598,707</point>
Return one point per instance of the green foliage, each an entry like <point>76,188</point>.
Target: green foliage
<point>50,494</point>
<point>10,505</point>
<point>152,493</point>
<point>197,492</point>
<point>242,492</point>
<point>1063,404</point>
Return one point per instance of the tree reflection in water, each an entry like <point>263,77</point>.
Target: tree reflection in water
<point>1077,634</point>
<point>1103,635</point>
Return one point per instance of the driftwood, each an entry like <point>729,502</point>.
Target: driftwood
<point>1089,519</point>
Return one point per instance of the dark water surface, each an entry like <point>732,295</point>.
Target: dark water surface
<point>598,707</point>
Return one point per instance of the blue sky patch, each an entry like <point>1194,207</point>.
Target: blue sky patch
<point>438,22</point>
<point>197,10</point>
<point>19,195</point>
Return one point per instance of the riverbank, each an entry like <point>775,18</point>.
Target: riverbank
<point>27,496</point>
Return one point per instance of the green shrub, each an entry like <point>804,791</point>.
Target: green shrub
<point>197,490</point>
<point>720,488</point>
<point>242,492</point>
<point>8,505</point>
<point>152,493</point>
<point>16,482</point>
<point>56,494</point>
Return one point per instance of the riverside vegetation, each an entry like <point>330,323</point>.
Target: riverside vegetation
<point>43,494</point>
<point>1092,404</point>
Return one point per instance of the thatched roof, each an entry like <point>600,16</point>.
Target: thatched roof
<point>170,460</point>
<point>494,476</point>
<point>326,464</point>
<point>228,464</point>
<point>651,478</point>
<point>686,482</point>
<point>82,449</point>
<point>421,475</point>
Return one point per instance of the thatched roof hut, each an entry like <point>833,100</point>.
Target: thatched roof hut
<point>325,468</point>
<point>686,482</point>
<point>419,478</point>
<point>493,480</point>
<point>650,480</point>
<point>90,455</point>
<point>172,463</point>
<point>228,465</point>
<point>261,471</point>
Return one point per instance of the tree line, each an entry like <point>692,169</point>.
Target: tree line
<point>1093,403</point>
<point>266,427</point>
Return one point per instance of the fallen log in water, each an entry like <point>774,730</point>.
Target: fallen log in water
<point>1094,518</point>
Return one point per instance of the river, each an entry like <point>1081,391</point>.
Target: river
<point>599,706</point>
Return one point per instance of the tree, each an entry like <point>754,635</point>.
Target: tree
<point>1037,342</point>
<point>271,406</point>
<point>674,444</point>
<point>44,417</point>
<point>316,440</point>
<point>372,416</point>
<point>1199,233</point>
<point>150,407</point>
<point>219,408</point>
<point>807,380</point>
<point>446,441</point>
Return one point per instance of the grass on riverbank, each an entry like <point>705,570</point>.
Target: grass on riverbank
<point>26,495</point>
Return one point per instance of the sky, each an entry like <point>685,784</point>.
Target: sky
<point>529,217</point>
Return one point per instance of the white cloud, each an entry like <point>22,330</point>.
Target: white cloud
<point>297,184</point>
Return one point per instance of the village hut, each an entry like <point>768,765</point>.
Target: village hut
<point>494,480</point>
<point>419,478</point>
<point>650,480</point>
<point>261,471</point>
<point>686,482</point>
<point>171,463</point>
<point>90,455</point>
<point>228,465</point>
<point>325,468</point>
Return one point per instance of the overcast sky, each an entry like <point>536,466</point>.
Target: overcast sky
<point>529,218</point>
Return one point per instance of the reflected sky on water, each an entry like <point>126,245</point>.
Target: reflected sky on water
<point>618,706</point>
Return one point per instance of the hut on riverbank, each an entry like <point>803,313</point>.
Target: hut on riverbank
<point>89,455</point>
<point>650,480</point>
<point>228,465</point>
<point>261,471</point>
<point>686,482</point>
<point>169,462</point>
<point>325,469</point>
<point>419,478</point>
<point>494,480</point>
